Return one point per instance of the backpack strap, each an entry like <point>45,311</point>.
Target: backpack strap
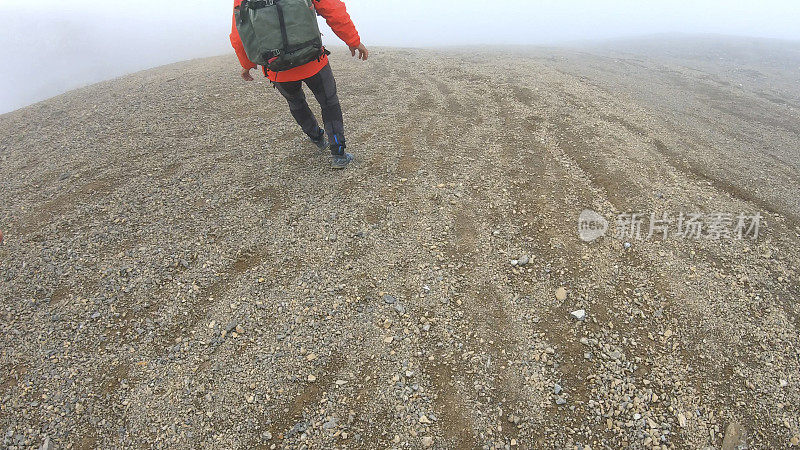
<point>282,21</point>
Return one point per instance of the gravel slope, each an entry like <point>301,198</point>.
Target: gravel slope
<point>180,268</point>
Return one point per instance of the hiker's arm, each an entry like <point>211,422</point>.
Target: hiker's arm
<point>335,13</point>
<point>236,42</point>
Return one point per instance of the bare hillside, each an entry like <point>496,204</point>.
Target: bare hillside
<point>181,269</point>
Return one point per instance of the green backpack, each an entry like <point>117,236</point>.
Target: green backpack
<point>279,34</point>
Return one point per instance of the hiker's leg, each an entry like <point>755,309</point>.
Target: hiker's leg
<point>323,85</point>
<point>293,92</point>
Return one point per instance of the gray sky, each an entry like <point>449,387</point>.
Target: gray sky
<point>48,48</point>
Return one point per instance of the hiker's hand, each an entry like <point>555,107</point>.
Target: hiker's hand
<point>363,53</point>
<point>246,75</point>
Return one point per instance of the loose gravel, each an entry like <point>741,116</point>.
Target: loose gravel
<point>181,269</point>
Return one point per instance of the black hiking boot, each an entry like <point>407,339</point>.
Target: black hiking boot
<point>321,142</point>
<point>341,159</point>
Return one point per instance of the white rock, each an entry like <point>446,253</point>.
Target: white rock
<point>579,314</point>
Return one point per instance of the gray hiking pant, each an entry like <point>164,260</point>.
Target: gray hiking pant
<point>323,86</point>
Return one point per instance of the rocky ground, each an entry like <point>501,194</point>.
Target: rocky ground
<point>181,269</point>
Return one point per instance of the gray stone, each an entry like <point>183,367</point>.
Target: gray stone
<point>330,424</point>
<point>47,445</point>
<point>733,436</point>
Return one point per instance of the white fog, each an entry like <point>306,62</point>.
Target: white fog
<point>49,49</point>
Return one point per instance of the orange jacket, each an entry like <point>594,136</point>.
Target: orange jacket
<point>338,19</point>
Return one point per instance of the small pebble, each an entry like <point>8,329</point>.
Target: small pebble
<point>579,314</point>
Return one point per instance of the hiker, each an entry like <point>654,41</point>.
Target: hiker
<point>283,37</point>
